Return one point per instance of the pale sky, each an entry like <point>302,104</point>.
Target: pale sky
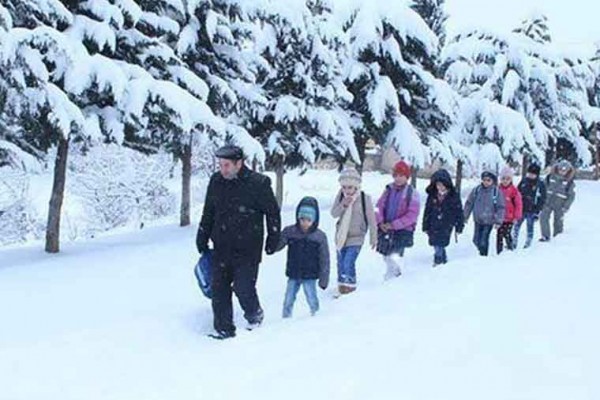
<point>574,24</point>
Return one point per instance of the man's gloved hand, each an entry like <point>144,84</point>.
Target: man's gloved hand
<point>271,245</point>
<point>202,246</point>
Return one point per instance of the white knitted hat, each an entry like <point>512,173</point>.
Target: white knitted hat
<point>350,177</point>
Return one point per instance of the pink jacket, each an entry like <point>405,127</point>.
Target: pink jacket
<point>514,203</point>
<point>406,215</point>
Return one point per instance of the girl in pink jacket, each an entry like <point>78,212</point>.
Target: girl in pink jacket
<point>397,214</point>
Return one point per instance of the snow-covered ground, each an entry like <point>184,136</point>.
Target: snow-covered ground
<point>121,317</point>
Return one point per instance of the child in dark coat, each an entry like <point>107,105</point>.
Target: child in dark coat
<point>533,192</point>
<point>443,213</point>
<point>307,258</point>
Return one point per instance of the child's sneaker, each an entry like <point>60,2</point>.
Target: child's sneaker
<point>392,275</point>
<point>256,321</point>
<point>544,240</point>
<point>221,335</point>
<point>253,325</point>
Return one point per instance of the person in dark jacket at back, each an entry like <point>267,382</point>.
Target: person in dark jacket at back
<point>533,193</point>
<point>443,213</point>
<point>237,202</point>
<point>307,257</point>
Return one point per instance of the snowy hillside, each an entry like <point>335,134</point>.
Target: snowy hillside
<point>121,318</point>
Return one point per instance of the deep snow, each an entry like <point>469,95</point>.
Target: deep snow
<point>120,317</point>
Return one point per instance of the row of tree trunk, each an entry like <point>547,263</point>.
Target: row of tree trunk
<point>60,172</point>
<point>58,193</point>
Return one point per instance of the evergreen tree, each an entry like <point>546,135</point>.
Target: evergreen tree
<point>397,100</point>
<point>434,15</point>
<point>215,44</point>
<point>493,74</point>
<point>536,28</point>
<point>165,104</point>
<point>64,88</point>
<point>302,119</point>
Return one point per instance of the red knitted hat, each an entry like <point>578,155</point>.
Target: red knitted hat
<point>402,168</point>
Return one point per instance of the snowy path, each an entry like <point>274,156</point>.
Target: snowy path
<point>121,318</point>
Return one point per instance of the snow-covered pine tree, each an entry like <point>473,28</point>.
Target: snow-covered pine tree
<point>64,88</point>
<point>594,97</point>
<point>434,15</point>
<point>448,148</point>
<point>5,153</point>
<point>215,43</point>
<point>493,74</point>
<point>576,113</point>
<point>397,101</point>
<point>55,89</point>
<point>536,28</point>
<point>569,114</point>
<point>164,106</point>
<point>559,93</point>
<point>33,13</point>
<point>304,117</point>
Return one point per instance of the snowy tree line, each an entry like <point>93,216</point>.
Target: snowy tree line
<point>119,93</point>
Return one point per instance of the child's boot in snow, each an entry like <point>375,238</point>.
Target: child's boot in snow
<point>394,265</point>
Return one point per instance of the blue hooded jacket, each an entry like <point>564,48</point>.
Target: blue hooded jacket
<point>308,252</point>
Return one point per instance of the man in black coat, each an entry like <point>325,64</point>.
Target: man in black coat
<point>237,201</point>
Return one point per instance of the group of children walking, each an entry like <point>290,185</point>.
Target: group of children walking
<point>495,204</point>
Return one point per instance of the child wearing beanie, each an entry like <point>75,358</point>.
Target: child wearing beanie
<point>512,213</point>
<point>307,257</point>
<point>355,216</point>
<point>487,206</point>
<point>533,193</point>
<point>397,212</point>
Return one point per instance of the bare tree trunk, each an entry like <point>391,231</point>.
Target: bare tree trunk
<point>413,177</point>
<point>186,186</point>
<point>459,176</point>
<point>361,145</point>
<point>254,165</point>
<point>56,199</point>
<point>279,171</point>
<point>524,165</point>
<point>598,157</point>
<point>552,157</point>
